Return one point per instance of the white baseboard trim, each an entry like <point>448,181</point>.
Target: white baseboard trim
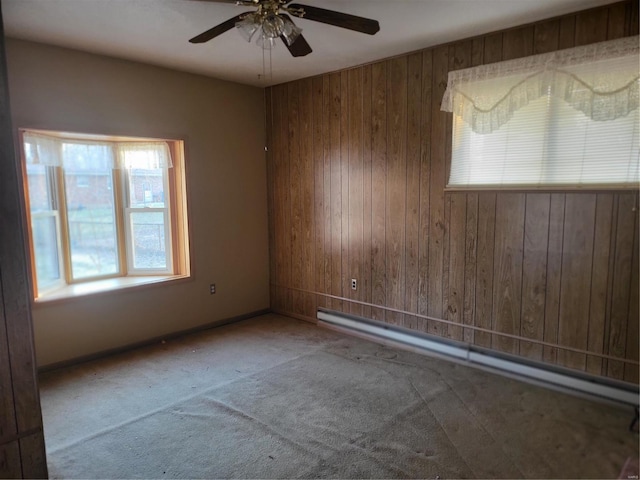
<point>572,381</point>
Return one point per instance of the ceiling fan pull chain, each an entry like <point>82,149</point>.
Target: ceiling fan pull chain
<point>270,67</point>
<point>264,70</point>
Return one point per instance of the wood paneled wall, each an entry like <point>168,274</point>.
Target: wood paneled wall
<point>358,161</point>
<point>22,452</point>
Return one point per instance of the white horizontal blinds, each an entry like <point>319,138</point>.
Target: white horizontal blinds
<point>547,143</point>
<point>584,152</point>
<point>511,155</point>
<point>566,119</point>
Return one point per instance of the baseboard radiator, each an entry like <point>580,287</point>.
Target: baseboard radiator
<point>559,378</point>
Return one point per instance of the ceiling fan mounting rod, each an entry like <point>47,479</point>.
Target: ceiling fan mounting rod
<point>271,6</point>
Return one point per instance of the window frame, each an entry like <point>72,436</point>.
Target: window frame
<point>550,142</point>
<point>66,234</point>
<point>128,222</point>
<point>599,80</point>
<point>176,228</point>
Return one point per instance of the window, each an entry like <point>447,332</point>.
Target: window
<point>103,208</point>
<point>567,119</point>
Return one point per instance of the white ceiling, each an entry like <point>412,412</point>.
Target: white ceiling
<point>157,31</point>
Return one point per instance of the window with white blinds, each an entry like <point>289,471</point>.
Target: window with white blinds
<point>568,119</point>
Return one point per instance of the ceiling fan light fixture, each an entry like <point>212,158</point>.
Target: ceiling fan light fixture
<point>291,32</point>
<point>248,26</point>
<point>266,42</point>
<point>273,26</point>
<point>270,22</point>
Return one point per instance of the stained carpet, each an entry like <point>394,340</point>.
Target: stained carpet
<point>273,397</point>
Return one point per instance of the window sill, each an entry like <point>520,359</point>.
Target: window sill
<point>104,286</point>
<point>542,189</point>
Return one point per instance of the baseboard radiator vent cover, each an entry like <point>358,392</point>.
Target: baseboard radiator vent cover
<point>513,366</point>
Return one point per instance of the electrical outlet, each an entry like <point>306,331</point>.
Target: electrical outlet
<point>354,284</point>
<point>212,288</point>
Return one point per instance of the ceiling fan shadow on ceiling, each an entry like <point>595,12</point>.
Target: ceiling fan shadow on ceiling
<point>272,20</point>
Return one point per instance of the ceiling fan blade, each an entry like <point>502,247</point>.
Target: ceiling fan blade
<point>338,19</point>
<point>300,47</point>
<point>217,30</point>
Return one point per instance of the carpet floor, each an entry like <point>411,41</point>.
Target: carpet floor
<point>273,397</point>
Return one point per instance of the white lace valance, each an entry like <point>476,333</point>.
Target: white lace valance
<point>42,149</point>
<point>144,155</point>
<point>601,80</point>
<point>88,155</point>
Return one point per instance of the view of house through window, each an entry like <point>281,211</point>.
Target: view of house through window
<point>103,209</point>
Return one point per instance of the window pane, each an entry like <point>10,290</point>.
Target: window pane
<point>45,246</point>
<point>146,187</point>
<point>91,218</point>
<point>149,247</point>
<point>582,150</point>
<point>39,188</point>
<point>510,155</point>
<point>87,157</point>
<point>547,142</point>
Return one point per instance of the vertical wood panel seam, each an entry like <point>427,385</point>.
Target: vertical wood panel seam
<point>13,390</point>
<point>349,173</point>
<point>346,250</point>
<point>522,293</point>
<point>493,267</point>
<point>593,256</point>
<point>327,92</point>
<point>418,245</point>
<point>628,282</point>
<point>610,279</point>
<point>406,184</point>
<point>386,180</point>
<point>475,269</point>
<point>314,236</point>
<point>546,275</point>
<point>362,202</point>
<point>609,284</point>
<point>289,230</point>
<point>4,326</point>
<point>418,250</point>
<point>464,273</point>
<point>273,185</point>
<point>370,94</point>
<point>633,255</point>
<point>326,275</point>
<point>564,222</point>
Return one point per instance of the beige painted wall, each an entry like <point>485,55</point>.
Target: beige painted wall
<point>223,127</point>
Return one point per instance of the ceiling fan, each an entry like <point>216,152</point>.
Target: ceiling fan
<point>271,20</point>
